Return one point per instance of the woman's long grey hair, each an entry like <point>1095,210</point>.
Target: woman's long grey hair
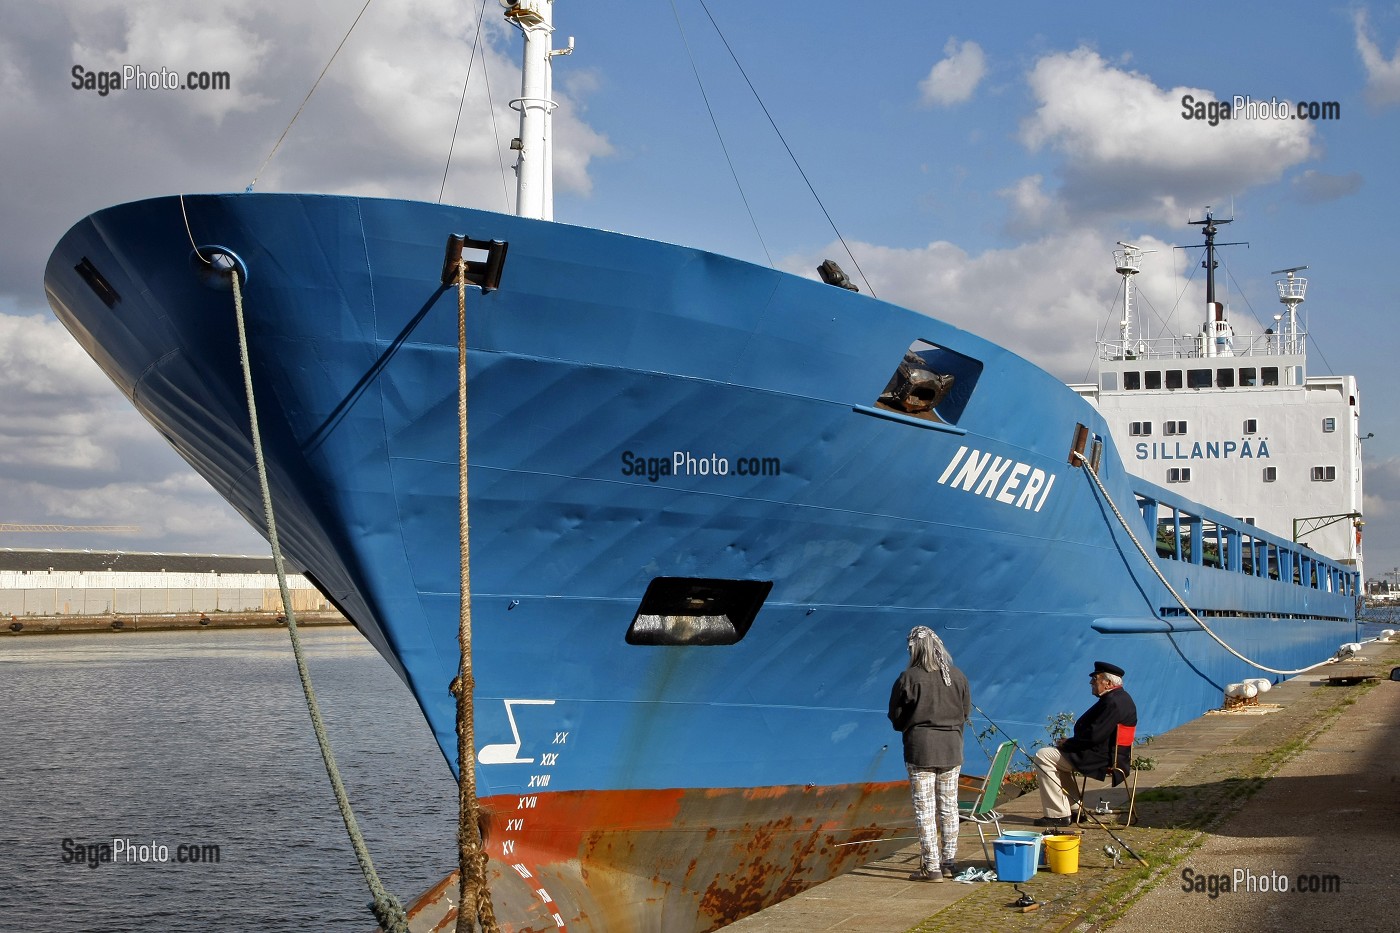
<point>928,651</point>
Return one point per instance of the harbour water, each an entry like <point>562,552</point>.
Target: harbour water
<point>201,739</point>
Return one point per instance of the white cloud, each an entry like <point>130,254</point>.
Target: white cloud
<point>380,123</point>
<point>1129,152</point>
<point>72,451</point>
<point>1313,186</point>
<point>954,79</point>
<point>1046,300</point>
<point>1382,74</point>
<point>1032,208</point>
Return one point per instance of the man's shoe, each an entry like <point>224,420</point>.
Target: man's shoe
<point>950,869</point>
<point>923,874</point>
<point>1053,821</point>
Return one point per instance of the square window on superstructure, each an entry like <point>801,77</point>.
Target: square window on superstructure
<point>1168,428</point>
<point>1324,474</point>
<point>1132,381</point>
<point>1251,426</point>
<point>1173,379</point>
<point>1179,475</point>
<point>1248,376</point>
<point>1152,379</point>
<point>1270,374</point>
<point>1329,425</point>
<point>1225,378</point>
<point>1270,474</point>
<point>1108,382</point>
<point>1198,378</point>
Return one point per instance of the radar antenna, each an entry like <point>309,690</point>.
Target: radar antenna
<point>1291,292</point>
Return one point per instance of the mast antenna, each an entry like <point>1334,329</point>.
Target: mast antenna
<point>1127,262</point>
<point>1292,291</point>
<point>1217,336</point>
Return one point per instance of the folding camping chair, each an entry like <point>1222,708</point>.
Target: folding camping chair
<point>983,810</point>
<point>1120,769</point>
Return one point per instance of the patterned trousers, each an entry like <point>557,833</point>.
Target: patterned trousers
<point>935,793</point>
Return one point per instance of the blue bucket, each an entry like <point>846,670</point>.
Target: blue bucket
<point>1033,838</point>
<point>1015,859</point>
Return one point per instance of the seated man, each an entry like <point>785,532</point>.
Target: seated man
<point>1090,750</point>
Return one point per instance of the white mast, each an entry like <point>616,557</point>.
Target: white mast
<point>534,193</point>
<point>1291,291</point>
<point>1128,263</point>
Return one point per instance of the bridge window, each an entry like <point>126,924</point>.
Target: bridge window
<point>1225,378</point>
<point>1270,375</point>
<point>1248,376</point>
<point>1173,379</point>
<point>1152,379</point>
<point>1132,380</point>
<point>1198,378</point>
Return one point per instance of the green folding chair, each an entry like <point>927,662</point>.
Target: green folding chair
<point>983,810</point>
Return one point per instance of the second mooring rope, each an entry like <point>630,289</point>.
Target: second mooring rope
<point>387,909</point>
<point>471,855</point>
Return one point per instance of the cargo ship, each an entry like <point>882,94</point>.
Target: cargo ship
<point>707,502</point>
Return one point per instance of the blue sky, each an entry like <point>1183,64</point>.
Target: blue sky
<point>980,162</point>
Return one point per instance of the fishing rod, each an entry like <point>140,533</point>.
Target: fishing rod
<point>1082,809</point>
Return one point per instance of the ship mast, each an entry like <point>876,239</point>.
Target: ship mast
<point>1217,337</point>
<point>534,169</point>
<point>1291,292</point>
<point>1127,262</point>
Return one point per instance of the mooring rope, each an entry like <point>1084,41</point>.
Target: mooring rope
<point>471,855</point>
<point>1088,468</point>
<point>387,909</point>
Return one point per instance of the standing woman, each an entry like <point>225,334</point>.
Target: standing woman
<point>929,703</point>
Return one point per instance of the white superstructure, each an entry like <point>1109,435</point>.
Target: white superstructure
<point>1235,421</point>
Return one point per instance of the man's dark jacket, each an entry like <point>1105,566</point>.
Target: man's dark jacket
<point>1092,746</point>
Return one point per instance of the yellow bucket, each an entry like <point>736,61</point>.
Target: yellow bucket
<point>1062,854</point>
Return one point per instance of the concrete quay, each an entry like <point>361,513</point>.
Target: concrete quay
<point>11,625</point>
<point>1285,816</point>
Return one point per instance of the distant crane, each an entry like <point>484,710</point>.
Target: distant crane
<point>16,528</point>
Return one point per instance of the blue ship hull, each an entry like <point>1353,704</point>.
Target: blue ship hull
<point>646,786</point>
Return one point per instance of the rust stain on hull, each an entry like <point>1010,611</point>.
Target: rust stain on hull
<point>671,861</point>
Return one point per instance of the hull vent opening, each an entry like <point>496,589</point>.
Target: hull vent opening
<point>691,611</point>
